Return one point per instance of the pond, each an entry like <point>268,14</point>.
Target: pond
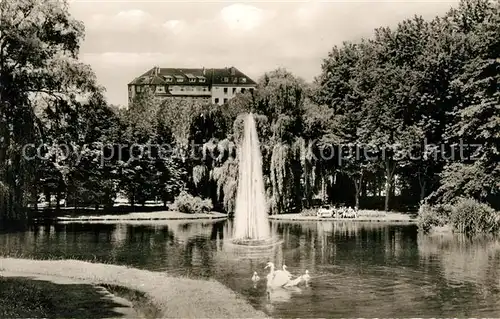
<point>357,269</point>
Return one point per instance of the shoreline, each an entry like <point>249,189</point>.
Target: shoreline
<point>176,296</point>
<point>122,306</point>
<point>364,216</point>
<point>162,215</point>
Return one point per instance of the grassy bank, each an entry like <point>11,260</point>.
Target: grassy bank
<point>176,297</point>
<point>36,298</point>
<point>362,215</point>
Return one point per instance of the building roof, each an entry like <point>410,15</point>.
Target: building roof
<point>200,76</point>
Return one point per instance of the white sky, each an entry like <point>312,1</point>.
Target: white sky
<point>126,38</point>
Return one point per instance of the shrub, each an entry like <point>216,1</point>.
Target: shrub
<point>309,212</point>
<point>189,204</point>
<point>432,216</point>
<point>465,215</point>
<point>471,216</point>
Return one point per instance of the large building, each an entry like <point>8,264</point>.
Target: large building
<point>217,85</point>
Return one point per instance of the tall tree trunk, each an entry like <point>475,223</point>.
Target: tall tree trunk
<point>422,183</point>
<point>387,195</point>
<point>389,174</point>
<point>358,185</point>
<point>422,190</point>
<point>58,198</point>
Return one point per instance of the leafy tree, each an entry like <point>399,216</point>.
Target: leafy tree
<point>39,44</point>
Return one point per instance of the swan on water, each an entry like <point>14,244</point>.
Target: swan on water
<point>295,282</point>
<point>255,277</point>
<point>276,278</point>
<point>287,272</point>
<point>306,277</point>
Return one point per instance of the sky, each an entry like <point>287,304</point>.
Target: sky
<point>126,38</point>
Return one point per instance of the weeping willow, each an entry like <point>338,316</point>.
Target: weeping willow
<point>280,176</point>
<point>226,177</point>
<point>199,174</point>
<point>208,149</point>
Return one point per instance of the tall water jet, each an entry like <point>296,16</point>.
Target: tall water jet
<point>251,212</point>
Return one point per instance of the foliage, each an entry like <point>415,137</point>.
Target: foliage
<point>407,90</point>
<point>470,216</point>
<point>189,204</point>
<point>40,78</point>
<point>433,216</point>
<point>464,215</point>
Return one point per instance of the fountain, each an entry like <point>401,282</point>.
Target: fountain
<point>251,224</point>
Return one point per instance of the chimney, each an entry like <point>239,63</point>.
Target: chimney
<point>156,70</point>
<point>203,71</point>
<point>233,70</point>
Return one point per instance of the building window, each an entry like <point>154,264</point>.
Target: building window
<point>182,88</point>
<point>225,101</point>
<point>168,78</point>
<point>138,89</point>
<point>192,80</point>
<point>234,90</point>
<point>216,100</point>
<point>251,90</point>
<point>204,89</point>
<point>160,89</point>
<point>242,90</point>
<point>225,80</point>
<point>225,90</point>
<point>243,80</point>
<point>202,80</point>
<point>235,80</point>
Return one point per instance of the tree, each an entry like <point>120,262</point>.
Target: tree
<point>39,44</point>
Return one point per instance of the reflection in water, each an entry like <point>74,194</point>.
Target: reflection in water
<point>357,269</point>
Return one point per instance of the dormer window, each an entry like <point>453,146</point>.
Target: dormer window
<point>201,79</point>
<point>235,80</point>
<point>179,78</point>
<point>192,78</point>
<point>160,89</point>
<point>225,79</point>
<point>243,80</point>
<point>168,78</point>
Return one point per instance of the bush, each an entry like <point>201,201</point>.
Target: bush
<point>465,215</point>
<point>471,216</point>
<point>189,204</point>
<point>309,212</point>
<point>433,216</point>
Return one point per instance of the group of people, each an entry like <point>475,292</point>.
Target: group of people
<point>345,212</point>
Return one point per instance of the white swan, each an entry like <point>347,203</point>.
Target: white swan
<point>287,272</point>
<point>295,282</point>
<point>255,277</point>
<point>306,277</point>
<point>276,278</point>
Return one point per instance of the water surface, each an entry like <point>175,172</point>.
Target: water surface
<point>357,269</point>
